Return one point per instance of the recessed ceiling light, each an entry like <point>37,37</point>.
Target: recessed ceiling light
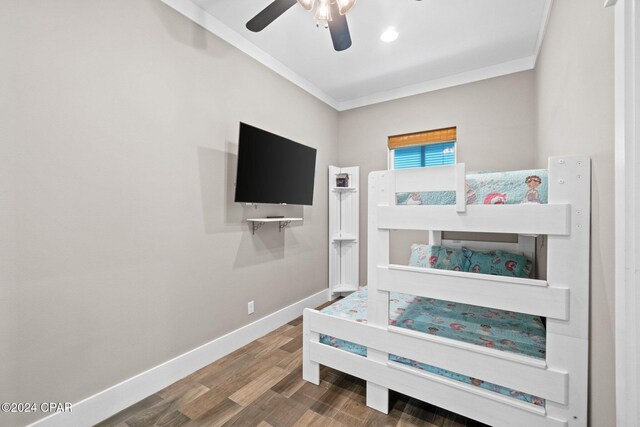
<point>389,35</point>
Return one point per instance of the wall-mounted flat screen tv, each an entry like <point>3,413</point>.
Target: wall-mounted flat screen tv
<point>273,169</point>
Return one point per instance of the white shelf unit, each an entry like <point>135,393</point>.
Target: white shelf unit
<point>344,223</point>
<point>256,223</point>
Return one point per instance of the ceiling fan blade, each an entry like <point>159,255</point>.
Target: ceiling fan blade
<point>339,29</point>
<point>269,14</point>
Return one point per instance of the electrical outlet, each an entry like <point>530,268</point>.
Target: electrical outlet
<point>250,307</point>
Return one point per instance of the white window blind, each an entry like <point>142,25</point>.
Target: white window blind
<point>419,156</point>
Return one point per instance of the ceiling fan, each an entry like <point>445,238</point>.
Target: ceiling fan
<point>333,12</point>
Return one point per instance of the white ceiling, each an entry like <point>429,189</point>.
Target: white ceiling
<point>442,43</point>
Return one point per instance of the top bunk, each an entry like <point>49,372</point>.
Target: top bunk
<point>489,188</point>
<point>445,198</point>
<point>564,219</point>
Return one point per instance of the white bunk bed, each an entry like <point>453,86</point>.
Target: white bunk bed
<point>563,298</point>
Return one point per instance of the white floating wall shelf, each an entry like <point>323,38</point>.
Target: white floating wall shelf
<point>256,223</point>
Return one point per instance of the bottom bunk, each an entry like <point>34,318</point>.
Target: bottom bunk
<point>497,329</point>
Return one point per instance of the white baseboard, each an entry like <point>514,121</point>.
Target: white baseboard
<point>108,402</point>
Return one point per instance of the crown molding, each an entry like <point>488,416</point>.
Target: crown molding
<point>218,28</point>
<point>543,28</point>
<point>515,66</point>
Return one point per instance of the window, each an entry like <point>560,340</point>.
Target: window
<point>420,156</point>
<point>431,148</point>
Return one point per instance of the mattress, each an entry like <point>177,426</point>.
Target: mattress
<point>489,188</point>
<point>497,329</point>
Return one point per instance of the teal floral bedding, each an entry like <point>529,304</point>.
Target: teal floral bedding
<point>497,329</point>
<point>496,262</point>
<point>499,263</point>
<point>440,258</point>
<point>490,188</point>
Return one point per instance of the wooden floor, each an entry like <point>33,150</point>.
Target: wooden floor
<point>261,385</point>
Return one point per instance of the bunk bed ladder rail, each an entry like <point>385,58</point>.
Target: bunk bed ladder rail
<point>568,266</point>
<point>383,187</point>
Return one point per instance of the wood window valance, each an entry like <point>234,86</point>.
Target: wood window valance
<point>422,138</point>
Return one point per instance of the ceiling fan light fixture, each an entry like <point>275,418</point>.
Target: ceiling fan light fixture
<point>345,5</point>
<point>307,4</point>
<point>323,12</point>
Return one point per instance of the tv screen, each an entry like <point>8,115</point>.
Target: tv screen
<point>273,169</point>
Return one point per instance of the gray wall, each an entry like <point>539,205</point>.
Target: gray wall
<point>574,79</point>
<point>496,122</point>
<point>121,247</point>
<point>8,194</point>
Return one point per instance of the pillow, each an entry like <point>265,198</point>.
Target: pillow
<point>421,255</point>
<point>514,264</point>
<point>451,259</point>
<point>500,263</point>
<point>481,262</point>
<point>438,257</point>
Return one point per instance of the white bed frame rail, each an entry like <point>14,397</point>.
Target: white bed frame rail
<point>563,299</point>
